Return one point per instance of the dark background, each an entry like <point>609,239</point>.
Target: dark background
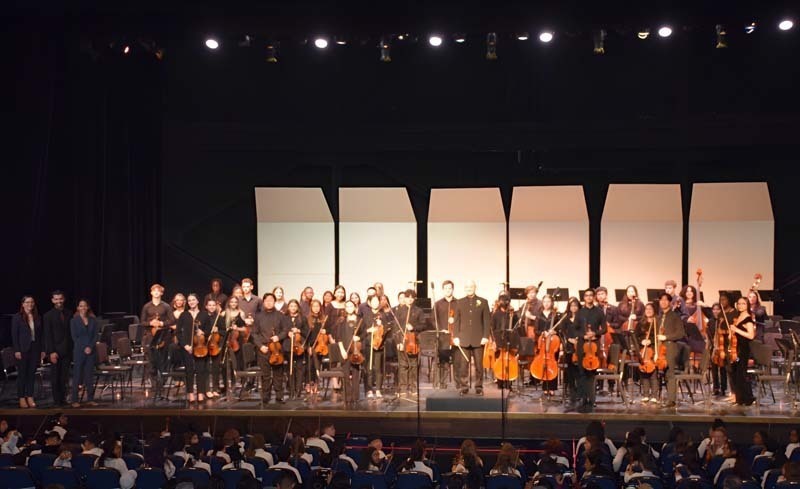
<point>125,170</point>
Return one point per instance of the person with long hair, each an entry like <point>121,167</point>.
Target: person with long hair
<point>688,311</point>
<point>717,326</point>
<point>112,458</point>
<point>306,296</point>
<point>745,329</point>
<point>339,297</point>
<point>507,461</point>
<point>347,333</point>
<point>298,330</point>
<point>176,356</point>
<point>569,339</point>
<point>759,314</point>
<point>630,309</point>
<point>316,320</point>
<point>84,331</point>
<point>416,460</point>
<point>280,299</point>
<point>374,347</point>
<point>327,299</point>
<point>234,320</point>
<point>216,293</point>
<point>547,317</point>
<point>646,335</point>
<point>26,338</point>
<point>214,325</point>
<point>190,325</point>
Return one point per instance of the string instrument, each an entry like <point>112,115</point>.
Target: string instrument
<point>355,357</point>
<point>630,323</point>
<point>590,360</point>
<point>275,351</point>
<point>237,338</point>
<point>320,346</point>
<point>733,343</point>
<point>378,333</point>
<point>718,351</point>
<point>214,339</point>
<point>647,362</point>
<point>544,365</point>
<point>506,364</point>
<point>606,341</point>
<point>489,352</point>
<point>199,346</point>
<point>660,357</point>
<point>451,321</point>
<point>410,345</point>
<point>298,347</point>
<point>158,333</point>
<point>700,319</point>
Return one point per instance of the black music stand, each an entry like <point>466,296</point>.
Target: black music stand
<point>517,293</point>
<point>619,294</point>
<point>562,296</point>
<point>423,302</point>
<point>769,295</point>
<point>734,295</point>
<point>652,294</point>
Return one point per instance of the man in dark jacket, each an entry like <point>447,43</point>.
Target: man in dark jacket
<point>672,331</point>
<point>412,320</point>
<point>470,334</point>
<point>270,326</point>
<point>58,346</point>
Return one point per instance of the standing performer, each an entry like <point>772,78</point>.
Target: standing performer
<point>412,322</point>
<point>249,302</point>
<point>280,301</point>
<point>58,346</point>
<point>26,337</point>
<point>237,333</point>
<point>759,314</point>
<point>471,333</point>
<point>175,356</point>
<point>646,337</point>
<point>270,327</point>
<point>745,330</point>
<point>216,293</point>
<point>84,333</point>
<point>318,342</point>
<point>690,301</point>
<point>445,310</point>
<point>503,320</point>
<point>348,331</point>
<point>546,318</point>
<point>613,334</point>
<point>217,326</point>
<point>374,344</point>
<point>569,334</point>
<point>671,288</point>
<point>591,326</point>
<point>305,301</point>
<point>189,327</point>
<point>157,317</point>
<point>672,332</point>
<point>295,346</point>
<point>717,329</point>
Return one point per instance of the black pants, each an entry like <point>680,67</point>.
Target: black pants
<point>677,359</point>
<point>409,369</point>
<point>586,385</point>
<point>196,371</point>
<point>719,376</point>
<point>217,370</point>
<point>272,377</point>
<point>443,371</point>
<point>26,370</point>
<point>571,379</point>
<point>59,378</point>
<point>462,367</point>
<point>297,379</point>
<point>158,361</point>
<point>649,383</point>
<point>352,382</point>
<point>374,378</point>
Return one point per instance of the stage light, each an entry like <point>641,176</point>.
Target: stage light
<point>272,52</point>
<point>599,39</point>
<point>722,37</point>
<point>460,38</point>
<point>491,46</point>
<point>386,54</point>
<point>643,34</point>
<point>341,41</point>
<point>435,41</point>
<point>246,41</point>
<point>321,43</point>
<point>522,36</point>
<point>785,25</point>
<point>212,43</point>
<point>126,49</point>
<point>750,28</point>
<point>401,37</point>
<point>665,31</point>
<point>546,36</point>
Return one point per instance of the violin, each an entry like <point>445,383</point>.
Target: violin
<point>718,353</point>
<point>275,351</point>
<point>506,363</point>
<point>299,345</point>
<point>214,339</point>
<point>199,346</point>
<point>590,360</point>
<point>660,357</point>
<point>158,333</point>
<point>237,337</point>
<point>410,345</point>
<point>544,365</point>
<point>647,362</point>
<point>323,339</point>
<point>355,357</point>
<point>377,334</point>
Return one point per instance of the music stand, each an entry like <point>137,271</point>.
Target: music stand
<point>769,295</point>
<point>652,294</point>
<point>619,294</point>
<point>707,312</point>
<point>563,294</point>
<point>734,295</point>
<point>423,302</point>
<point>517,293</point>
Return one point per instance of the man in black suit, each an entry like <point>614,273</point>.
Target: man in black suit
<point>58,346</point>
<point>470,334</point>
<point>672,331</point>
<point>412,320</point>
<point>270,326</point>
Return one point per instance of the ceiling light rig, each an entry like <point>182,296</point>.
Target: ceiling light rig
<point>599,40</point>
<point>643,33</point>
<point>435,40</point>
<point>785,25</point>
<point>546,36</point>
<point>722,37</point>
<point>386,49</point>
<point>665,31</point>
<point>750,28</point>
<point>491,46</point>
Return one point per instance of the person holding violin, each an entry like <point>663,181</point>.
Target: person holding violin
<point>156,317</point>
<point>545,320</point>
<point>191,337</point>
<point>569,334</point>
<point>673,333</point>
<point>503,320</point>
<point>348,331</point>
<point>412,321</point>
<point>530,311</point>
<point>613,324</point>
<point>238,331</point>
<point>445,310</point>
<point>295,345</point>
<point>470,334</point>
<point>744,329</point>
<point>271,328</point>
<point>718,330</point>
<point>376,331</point>
<point>318,341</point>
<point>591,325</point>
<point>646,338</point>
<point>216,343</point>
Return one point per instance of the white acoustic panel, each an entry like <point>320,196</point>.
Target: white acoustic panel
<point>467,239</point>
<point>548,235</point>
<point>295,238</point>
<point>732,236</point>
<point>641,238</point>
<point>377,240</point>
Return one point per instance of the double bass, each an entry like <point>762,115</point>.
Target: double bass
<point>544,366</point>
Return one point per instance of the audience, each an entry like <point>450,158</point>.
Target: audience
<point>370,460</point>
<point>256,449</point>
<point>416,461</point>
<point>237,461</point>
<point>284,455</point>
<point>112,458</point>
<point>506,461</point>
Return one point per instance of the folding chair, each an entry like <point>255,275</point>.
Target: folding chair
<point>109,373</point>
<point>614,373</point>
<point>688,378</point>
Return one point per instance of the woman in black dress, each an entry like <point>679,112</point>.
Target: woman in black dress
<point>503,320</point>
<point>745,330</point>
<point>347,333</point>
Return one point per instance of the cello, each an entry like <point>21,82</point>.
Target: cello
<point>647,362</point>
<point>544,366</point>
<point>506,365</point>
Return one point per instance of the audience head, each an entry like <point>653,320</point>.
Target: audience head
<point>369,456</point>
<point>791,471</point>
<point>418,451</point>
<point>284,453</point>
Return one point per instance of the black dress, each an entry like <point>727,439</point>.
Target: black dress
<point>740,385</point>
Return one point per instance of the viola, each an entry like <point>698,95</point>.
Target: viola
<point>733,343</point>
<point>410,345</point>
<point>199,346</point>
<point>237,338</point>
<point>275,351</point>
<point>377,334</point>
<point>647,362</point>
<point>590,359</point>
<point>660,357</point>
<point>299,345</point>
<point>355,356</point>
<point>214,339</point>
<point>323,339</point>
<point>159,334</point>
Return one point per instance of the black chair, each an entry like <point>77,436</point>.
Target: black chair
<point>250,372</point>
<point>503,481</point>
<point>39,462</point>
<point>9,367</point>
<point>370,480</point>
<point>655,482</point>
<point>233,476</point>
<point>83,464</point>
<point>102,478</point>
<point>16,477</point>
<point>150,478</point>
<point>112,375</point>
<point>64,476</point>
<point>199,477</point>
<point>599,482</point>
<point>132,461</point>
<point>414,480</point>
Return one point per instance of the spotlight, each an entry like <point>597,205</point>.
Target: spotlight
<point>643,34</point>
<point>460,38</point>
<point>272,52</point>
<point>750,28</point>
<point>401,37</point>
<point>212,43</point>
<point>386,55</point>
<point>522,36</point>
<point>546,36</point>
<point>126,49</point>
<point>722,37</point>
<point>599,38</point>
<point>665,31</point>
<point>785,25</point>
<point>491,46</point>
<point>246,41</point>
<point>435,41</point>
<point>321,43</point>
<point>341,41</point>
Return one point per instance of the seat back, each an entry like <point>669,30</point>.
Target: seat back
<point>8,358</point>
<point>316,453</point>
<point>713,465</point>
<point>116,336</point>
<point>150,478</point>
<point>655,482</point>
<point>599,482</point>
<point>503,481</point>
<point>232,477</point>
<point>723,474</point>
<point>16,477</point>
<point>39,462</point>
<point>132,461</point>
<point>124,349</point>
<point>102,478</point>
<point>83,464</point>
<point>102,353</point>
<point>369,480</point>
<point>6,459</point>
<point>761,464</point>
<point>63,476</point>
<point>199,477</point>
<point>259,465</point>
<point>413,480</point>
<point>304,468</point>
<point>271,476</point>
<point>216,464</point>
<point>177,461</point>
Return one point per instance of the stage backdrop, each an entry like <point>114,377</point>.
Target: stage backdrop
<point>641,238</point>
<point>377,240</point>
<point>467,239</point>
<point>731,236</point>
<point>295,240</point>
<point>548,238</point>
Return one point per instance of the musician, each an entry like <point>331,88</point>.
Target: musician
<point>506,338</point>
<point>249,303</point>
<point>412,320</point>
<point>174,354</point>
<point>84,333</point>
<point>630,308</point>
<point>646,337</point>
<point>280,302</point>
<point>531,308</point>
<point>690,301</point>
<point>716,325</point>
<point>216,324</point>
<point>591,326</point>
<point>364,307</point>
<point>545,320</point>
<point>347,332</point>
<point>235,324</point>
<point>672,331</point>
<point>339,298</point>
<point>216,293</point>
<point>671,288</point>
<point>569,336</point>
<point>374,357</point>
<point>316,326</point>
<point>471,334</point>
<point>614,321</point>
<point>305,301</point>
<point>759,314</point>
<point>298,325</point>
<point>745,330</point>
<point>190,324</point>
<point>445,310</point>
<point>157,317</point>
<point>58,346</point>
<point>270,327</point>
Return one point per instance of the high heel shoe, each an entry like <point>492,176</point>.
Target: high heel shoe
<point>30,402</point>
<point>191,398</point>
<point>23,403</point>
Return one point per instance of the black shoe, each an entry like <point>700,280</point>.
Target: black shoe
<point>669,404</point>
<point>281,400</point>
<point>464,392</point>
<point>479,392</point>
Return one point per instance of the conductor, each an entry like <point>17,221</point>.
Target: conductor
<point>470,334</point>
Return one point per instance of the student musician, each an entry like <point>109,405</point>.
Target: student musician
<point>530,311</point>
<point>412,321</point>
<point>646,330</point>
<point>569,338</point>
<point>471,334</point>
<point>445,310</point>
<point>305,301</point>
<point>503,320</point>
<point>719,373</point>
<point>280,301</point>
<point>270,327</point>
<point>591,326</point>
<point>613,327</point>
<point>374,347</point>
<point>26,336</point>
<point>630,308</point>
<point>156,317</point>
<point>316,326</point>
<point>690,301</point>
<point>348,333</point>
<point>546,318</point>
<point>744,328</point>
<point>298,331</point>
<point>174,354</point>
<point>672,332</point>
<point>190,325</point>
<point>216,293</point>
<point>759,314</point>
<point>671,288</point>
<point>235,327</point>
<point>216,325</point>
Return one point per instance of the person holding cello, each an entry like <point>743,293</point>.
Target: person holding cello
<point>412,321</point>
<point>376,332</point>
<point>546,349</point>
<point>506,366</point>
<point>646,338</point>
<point>271,328</point>
<point>470,335</point>
<point>591,325</point>
<point>348,331</point>
<point>191,337</point>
